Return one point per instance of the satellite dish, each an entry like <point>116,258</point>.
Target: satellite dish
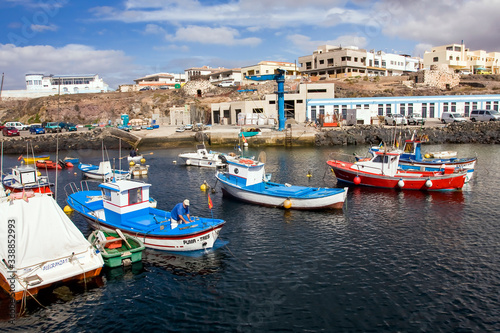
<point>262,157</point>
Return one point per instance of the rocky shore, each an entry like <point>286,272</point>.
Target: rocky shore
<point>455,133</point>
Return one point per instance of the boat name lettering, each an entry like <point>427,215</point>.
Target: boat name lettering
<point>202,238</point>
<point>54,264</point>
<point>189,241</point>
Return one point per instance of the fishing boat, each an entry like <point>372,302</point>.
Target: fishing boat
<point>72,160</point>
<point>116,248</point>
<point>135,159</point>
<point>138,170</point>
<point>125,205</point>
<point>411,159</point>
<point>381,170</point>
<point>202,158</point>
<point>49,248</point>
<point>32,160</point>
<point>103,171</point>
<point>48,164</point>
<point>245,179</point>
<point>26,178</point>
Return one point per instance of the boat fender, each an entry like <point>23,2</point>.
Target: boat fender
<point>428,183</point>
<point>131,163</point>
<point>143,160</point>
<point>357,180</point>
<point>401,183</point>
<point>287,204</point>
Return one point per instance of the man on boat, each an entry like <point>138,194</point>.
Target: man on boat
<point>133,152</point>
<point>176,215</point>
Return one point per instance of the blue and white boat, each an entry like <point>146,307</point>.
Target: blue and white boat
<point>245,179</point>
<point>125,205</point>
<point>411,158</point>
<point>103,171</point>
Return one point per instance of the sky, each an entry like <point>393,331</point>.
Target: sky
<point>122,40</point>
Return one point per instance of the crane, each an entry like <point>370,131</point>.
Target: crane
<point>280,79</point>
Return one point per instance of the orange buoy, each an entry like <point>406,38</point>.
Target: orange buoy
<point>287,204</point>
<point>357,180</point>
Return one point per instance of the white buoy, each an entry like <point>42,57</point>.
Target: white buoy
<point>428,183</point>
<point>245,144</point>
<point>401,183</point>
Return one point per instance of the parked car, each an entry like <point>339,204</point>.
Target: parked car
<point>395,119</point>
<point>20,126</point>
<point>10,131</point>
<point>415,119</point>
<point>452,117</point>
<point>52,127</point>
<point>145,88</point>
<point>36,129</point>
<point>226,84</point>
<point>69,127</point>
<point>484,115</point>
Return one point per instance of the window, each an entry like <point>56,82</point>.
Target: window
<point>402,109</point>
<point>453,107</point>
<point>313,113</point>
<point>435,59</point>
<point>299,101</point>
<point>322,110</point>
<point>321,62</point>
<point>381,109</point>
<point>135,196</point>
<point>445,107</point>
<point>424,110</point>
<point>451,57</point>
<point>330,62</point>
<point>410,108</point>
<point>316,90</point>
<point>272,102</point>
<point>355,59</point>
<point>467,108</point>
<point>106,194</point>
<point>367,106</point>
<point>308,65</point>
<point>258,110</point>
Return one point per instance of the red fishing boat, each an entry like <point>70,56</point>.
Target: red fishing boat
<point>25,178</point>
<point>381,170</point>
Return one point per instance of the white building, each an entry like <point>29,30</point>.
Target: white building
<point>195,72</point>
<point>161,79</point>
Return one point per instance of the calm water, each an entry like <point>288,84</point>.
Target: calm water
<point>389,262</point>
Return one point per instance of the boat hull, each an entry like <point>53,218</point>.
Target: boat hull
<point>85,265</point>
<point>437,165</point>
<point>32,160</point>
<point>334,201</point>
<point>210,162</point>
<point>402,181</point>
<point>193,242</point>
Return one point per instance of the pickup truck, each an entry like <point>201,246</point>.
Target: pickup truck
<point>52,127</point>
<point>395,119</point>
<point>415,119</point>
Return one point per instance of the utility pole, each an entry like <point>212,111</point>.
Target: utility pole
<point>1,87</point>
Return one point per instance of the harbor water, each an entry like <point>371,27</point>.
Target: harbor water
<point>390,261</point>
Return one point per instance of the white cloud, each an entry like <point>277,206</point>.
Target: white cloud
<point>154,29</point>
<point>306,45</point>
<point>112,65</point>
<point>42,28</point>
<point>207,35</point>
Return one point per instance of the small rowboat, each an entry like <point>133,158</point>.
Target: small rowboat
<point>47,164</point>
<point>116,248</point>
<point>32,160</point>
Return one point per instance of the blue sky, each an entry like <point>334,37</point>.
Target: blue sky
<point>127,39</point>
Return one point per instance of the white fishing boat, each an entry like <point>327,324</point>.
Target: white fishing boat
<point>246,180</point>
<point>49,248</point>
<point>103,171</point>
<point>202,158</point>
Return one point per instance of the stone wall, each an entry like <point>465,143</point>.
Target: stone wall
<point>439,76</point>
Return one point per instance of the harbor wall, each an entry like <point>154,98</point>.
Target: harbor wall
<point>455,133</point>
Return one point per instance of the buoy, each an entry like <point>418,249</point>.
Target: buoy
<point>428,183</point>
<point>131,163</point>
<point>38,173</point>
<point>287,204</point>
<point>427,156</point>
<point>245,144</point>
<point>175,162</point>
<point>143,160</point>
<point>204,186</point>
<point>188,162</point>
<point>69,165</point>
<point>67,209</point>
<point>401,183</point>
<point>357,180</point>
<point>309,174</point>
<point>74,173</point>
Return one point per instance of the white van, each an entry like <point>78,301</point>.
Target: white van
<point>17,124</point>
<point>452,117</point>
<point>484,115</point>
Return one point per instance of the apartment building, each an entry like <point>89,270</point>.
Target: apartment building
<point>65,84</point>
<point>227,76</point>
<point>268,68</point>
<point>461,59</point>
<point>339,62</point>
<point>196,72</point>
<point>160,79</point>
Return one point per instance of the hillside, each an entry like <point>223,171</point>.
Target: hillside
<point>95,108</point>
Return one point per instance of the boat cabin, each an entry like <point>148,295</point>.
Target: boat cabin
<point>412,150</point>
<point>202,150</point>
<point>25,175</point>
<point>383,163</point>
<point>125,199</point>
<point>246,171</point>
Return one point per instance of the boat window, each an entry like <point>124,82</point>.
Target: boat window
<point>378,159</point>
<point>409,148</point>
<point>134,196</point>
<point>106,194</point>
